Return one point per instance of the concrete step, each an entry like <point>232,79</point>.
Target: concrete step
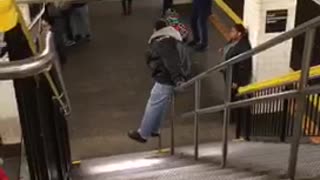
<point>246,161</point>
<point>196,172</point>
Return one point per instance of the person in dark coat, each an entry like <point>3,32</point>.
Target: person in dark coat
<point>164,61</point>
<point>201,10</point>
<point>239,43</point>
<point>241,73</point>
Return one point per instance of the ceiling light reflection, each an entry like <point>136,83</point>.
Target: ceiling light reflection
<point>125,165</point>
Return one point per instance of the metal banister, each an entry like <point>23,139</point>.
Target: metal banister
<point>278,81</point>
<point>264,46</point>
<point>38,64</point>
<point>38,18</point>
<point>309,29</point>
<point>29,66</point>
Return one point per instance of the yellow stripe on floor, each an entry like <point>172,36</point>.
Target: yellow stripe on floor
<point>229,11</point>
<point>215,21</point>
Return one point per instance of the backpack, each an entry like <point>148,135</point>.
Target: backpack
<point>185,60</point>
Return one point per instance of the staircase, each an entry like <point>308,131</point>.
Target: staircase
<point>247,161</point>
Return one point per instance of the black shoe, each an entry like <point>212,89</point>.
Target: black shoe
<point>192,43</point>
<point>201,48</point>
<point>155,134</point>
<point>135,135</point>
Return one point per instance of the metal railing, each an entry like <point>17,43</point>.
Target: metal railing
<point>43,62</point>
<point>274,120</point>
<point>43,105</point>
<point>30,66</point>
<point>309,28</point>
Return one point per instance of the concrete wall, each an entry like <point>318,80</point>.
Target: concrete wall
<point>276,61</point>
<point>10,131</point>
<point>9,118</point>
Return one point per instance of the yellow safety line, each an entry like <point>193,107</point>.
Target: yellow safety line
<point>219,26</point>
<point>163,151</point>
<point>229,11</point>
<point>76,163</point>
<point>25,30</point>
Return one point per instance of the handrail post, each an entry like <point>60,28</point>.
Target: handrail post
<point>160,142</point>
<point>226,116</point>
<point>60,80</point>
<point>301,102</point>
<point>197,96</point>
<point>172,142</point>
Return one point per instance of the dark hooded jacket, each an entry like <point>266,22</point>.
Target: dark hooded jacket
<point>242,71</point>
<point>163,56</point>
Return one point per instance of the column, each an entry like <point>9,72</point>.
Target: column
<point>266,19</point>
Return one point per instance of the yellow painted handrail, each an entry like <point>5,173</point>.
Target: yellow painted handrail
<point>283,80</point>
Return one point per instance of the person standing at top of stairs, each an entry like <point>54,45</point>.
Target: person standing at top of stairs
<point>201,10</point>
<point>242,72</point>
<point>163,59</point>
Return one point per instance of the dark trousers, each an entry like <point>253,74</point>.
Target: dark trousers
<point>199,25</point>
<point>167,4</point>
<point>127,6</point>
<point>241,117</point>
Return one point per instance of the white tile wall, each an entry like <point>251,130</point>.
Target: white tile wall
<point>276,61</point>
<point>10,131</point>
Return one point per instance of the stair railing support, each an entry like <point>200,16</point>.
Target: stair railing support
<point>226,116</point>
<point>197,96</point>
<point>301,102</point>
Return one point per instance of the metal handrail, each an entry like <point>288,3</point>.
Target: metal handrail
<point>38,64</point>
<point>264,46</point>
<point>309,29</point>
<point>29,66</point>
<point>38,18</point>
<point>278,81</point>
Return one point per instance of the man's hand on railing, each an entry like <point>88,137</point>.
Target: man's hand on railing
<point>179,86</point>
<point>235,86</point>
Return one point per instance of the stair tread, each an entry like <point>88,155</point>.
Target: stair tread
<point>246,161</point>
<point>192,172</point>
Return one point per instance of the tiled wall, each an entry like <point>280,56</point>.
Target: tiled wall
<point>10,131</point>
<point>276,61</point>
<point>9,118</point>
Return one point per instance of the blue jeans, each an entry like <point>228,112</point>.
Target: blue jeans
<point>156,109</point>
<point>79,21</point>
<point>199,26</point>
